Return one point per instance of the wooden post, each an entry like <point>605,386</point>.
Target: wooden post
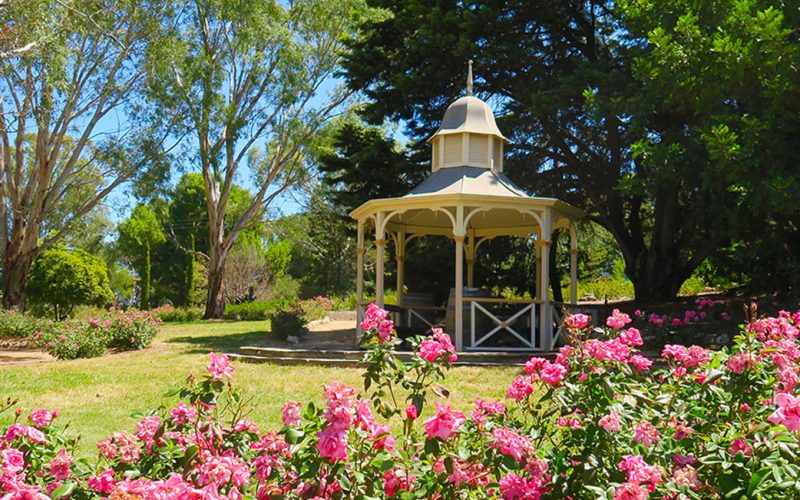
<point>359,280</point>
<point>573,264</point>
<point>545,323</point>
<point>380,244</point>
<point>458,236</point>
<point>400,252</point>
<point>471,259</point>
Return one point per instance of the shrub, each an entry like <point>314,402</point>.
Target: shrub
<point>595,422</point>
<point>287,323</point>
<point>16,325</point>
<point>131,330</point>
<point>316,309</point>
<point>170,314</point>
<point>128,330</point>
<point>74,339</point>
<point>254,311</point>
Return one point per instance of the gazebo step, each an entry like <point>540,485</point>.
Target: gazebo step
<point>293,361</point>
<point>319,353</point>
<point>342,357</point>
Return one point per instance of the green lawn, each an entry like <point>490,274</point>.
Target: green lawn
<point>97,396</point>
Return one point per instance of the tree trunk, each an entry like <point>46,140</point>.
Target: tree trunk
<point>656,278</point>
<point>215,302</point>
<point>16,268</point>
<point>145,299</point>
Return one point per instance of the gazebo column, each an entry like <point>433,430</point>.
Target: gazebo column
<point>359,280</point>
<point>545,322</point>
<point>471,259</point>
<point>458,237</point>
<point>400,258</point>
<point>573,264</point>
<point>380,244</point>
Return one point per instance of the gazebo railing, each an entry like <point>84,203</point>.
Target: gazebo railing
<point>526,333</point>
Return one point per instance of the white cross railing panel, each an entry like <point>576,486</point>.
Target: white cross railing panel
<point>530,343</point>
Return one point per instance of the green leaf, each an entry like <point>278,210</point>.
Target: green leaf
<point>757,479</point>
<point>294,435</point>
<point>62,491</point>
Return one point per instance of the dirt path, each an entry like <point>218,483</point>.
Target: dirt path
<point>22,356</point>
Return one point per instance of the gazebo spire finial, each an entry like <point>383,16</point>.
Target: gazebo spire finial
<point>469,78</point>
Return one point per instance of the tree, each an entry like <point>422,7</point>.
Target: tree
<point>599,97</point>
<point>183,215</point>
<point>64,279</point>
<point>249,274</point>
<point>245,79</point>
<point>361,163</point>
<point>137,237</point>
<point>82,65</point>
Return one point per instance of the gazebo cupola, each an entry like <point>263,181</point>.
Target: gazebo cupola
<point>468,135</point>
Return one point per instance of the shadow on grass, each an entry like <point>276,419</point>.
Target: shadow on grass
<point>222,342</point>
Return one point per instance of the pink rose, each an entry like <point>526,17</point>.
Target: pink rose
<point>610,422</point>
<point>444,423</point>
<point>104,483</point>
<point>645,433</point>
<point>788,411</point>
<point>519,388</point>
<point>618,319</point>
<point>291,414</point>
<point>740,445</point>
<point>219,366</point>
<point>631,337</point>
<point>12,461</point>
<point>552,373</point>
<point>578,321</point>
<point>41,417</point>
<point>332,444</point>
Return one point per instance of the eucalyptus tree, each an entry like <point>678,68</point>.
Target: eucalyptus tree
<point>248,83</point>
<point>66,138</point>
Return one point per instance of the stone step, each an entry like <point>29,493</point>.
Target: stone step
<point>352,357</point>
<point>319,353</point>
<point>347,363</point>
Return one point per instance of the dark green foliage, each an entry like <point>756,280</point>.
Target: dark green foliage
<point>138,235</point>
<point>672,122</point>
<point>287,322</point>
<point>365,164</point>
<point>63,279</point>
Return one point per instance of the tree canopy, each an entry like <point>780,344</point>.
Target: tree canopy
<point>64,279</point>
<point>648,115</point>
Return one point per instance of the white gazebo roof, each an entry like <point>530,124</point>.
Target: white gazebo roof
<point>497,206</point>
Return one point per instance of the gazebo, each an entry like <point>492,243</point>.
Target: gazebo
<point>469,199</point>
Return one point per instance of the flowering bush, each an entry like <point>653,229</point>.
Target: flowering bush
<point>316,308</point>
<point>132,329</point>
<point>594,422</point>
<point>122,330</point>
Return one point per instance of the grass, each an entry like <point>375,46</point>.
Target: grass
<point>98,396</point>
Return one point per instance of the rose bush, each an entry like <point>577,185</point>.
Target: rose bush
<point>121,330</point>
<point>595,421</point>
